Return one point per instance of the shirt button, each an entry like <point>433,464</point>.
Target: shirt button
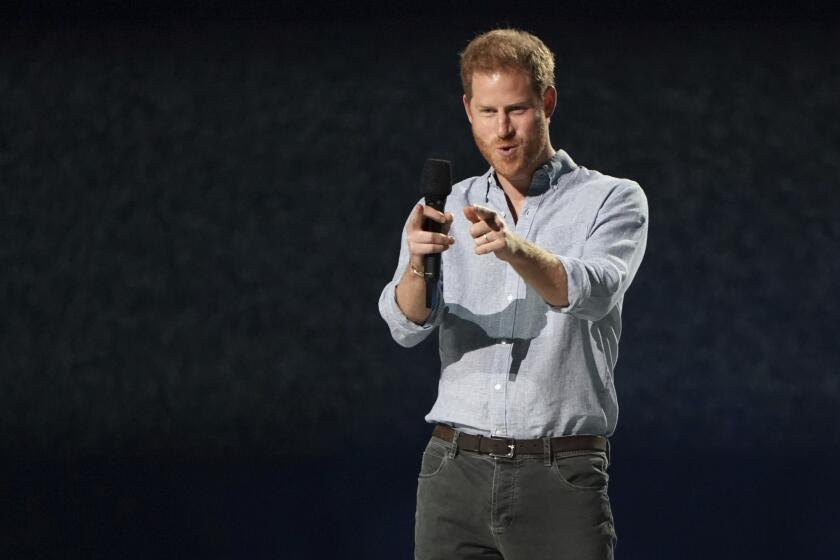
<point>510,297</point>
<point>503,341</point>
<point>497,386</point>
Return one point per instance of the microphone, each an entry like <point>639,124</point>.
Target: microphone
<point>435,185</point>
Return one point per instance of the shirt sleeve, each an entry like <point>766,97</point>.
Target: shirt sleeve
<point>611,256</point>
<point>404,331</point>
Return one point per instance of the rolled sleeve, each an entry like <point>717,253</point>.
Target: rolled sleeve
<point>403,330</point>
<point>612,254</point>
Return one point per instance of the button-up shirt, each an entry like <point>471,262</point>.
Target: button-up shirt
<point>513,365</point>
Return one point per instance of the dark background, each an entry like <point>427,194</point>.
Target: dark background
<point>201,203</point>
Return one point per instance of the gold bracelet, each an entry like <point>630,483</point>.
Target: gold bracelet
<point>417,272</point>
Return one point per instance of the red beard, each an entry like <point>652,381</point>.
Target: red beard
<point>523,160</point>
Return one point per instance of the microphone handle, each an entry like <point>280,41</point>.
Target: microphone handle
<point>431,262</point>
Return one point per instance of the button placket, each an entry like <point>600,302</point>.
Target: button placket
<point>498,404</point>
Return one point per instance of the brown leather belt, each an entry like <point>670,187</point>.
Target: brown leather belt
<point>506,447</point>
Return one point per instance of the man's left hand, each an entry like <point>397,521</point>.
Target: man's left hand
<point>491,234</point>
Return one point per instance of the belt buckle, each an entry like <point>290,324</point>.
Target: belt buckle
<point>509,455</point>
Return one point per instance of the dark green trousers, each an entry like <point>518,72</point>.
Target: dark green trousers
<point>530,507</point>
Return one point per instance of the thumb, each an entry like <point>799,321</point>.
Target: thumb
<point>485,214</point>
<point>489,216</point>
<point>470,214</point>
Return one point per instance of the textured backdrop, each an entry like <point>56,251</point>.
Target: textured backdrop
<point>197,217</point>
<point>197,221</point>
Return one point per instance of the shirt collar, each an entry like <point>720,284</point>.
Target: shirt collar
<point>547,175</point>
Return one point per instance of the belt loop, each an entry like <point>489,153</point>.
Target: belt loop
<point>547,451</point>
<point>609,455</point>
<point>454,449</point>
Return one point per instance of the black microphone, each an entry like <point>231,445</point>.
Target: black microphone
<point>435,185</point>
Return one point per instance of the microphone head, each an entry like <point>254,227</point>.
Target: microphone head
<point>436,180</point>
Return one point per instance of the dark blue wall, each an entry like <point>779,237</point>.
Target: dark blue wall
<point>199,214</point>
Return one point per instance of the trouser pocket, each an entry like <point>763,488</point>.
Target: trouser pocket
<point>584,471</point>
<point>435,458</point>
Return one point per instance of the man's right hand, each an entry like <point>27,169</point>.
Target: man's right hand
<point>421,242</point>
<point>411,291</point>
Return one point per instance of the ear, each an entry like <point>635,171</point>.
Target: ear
<point>549,101</point>
<point>467,108</point>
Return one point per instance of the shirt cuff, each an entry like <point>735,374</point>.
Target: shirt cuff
<point>404,330</point>
<point>576,285</point>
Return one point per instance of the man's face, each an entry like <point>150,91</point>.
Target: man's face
<point>510,123</point>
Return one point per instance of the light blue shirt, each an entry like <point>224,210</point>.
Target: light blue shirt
<point>512,365</point>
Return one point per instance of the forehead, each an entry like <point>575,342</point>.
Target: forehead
<point>501,85</point>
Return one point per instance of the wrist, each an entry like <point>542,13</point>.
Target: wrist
<point>416,271</point>
<point>517,250</point>
<point>416,261</point>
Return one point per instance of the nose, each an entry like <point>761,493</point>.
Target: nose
<point>504,128</point>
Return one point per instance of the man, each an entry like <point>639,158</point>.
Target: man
<point>529,317</point>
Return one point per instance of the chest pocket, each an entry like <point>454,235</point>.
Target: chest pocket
<point>563,239</point>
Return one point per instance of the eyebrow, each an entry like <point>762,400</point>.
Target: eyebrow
<point>507,107</point>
